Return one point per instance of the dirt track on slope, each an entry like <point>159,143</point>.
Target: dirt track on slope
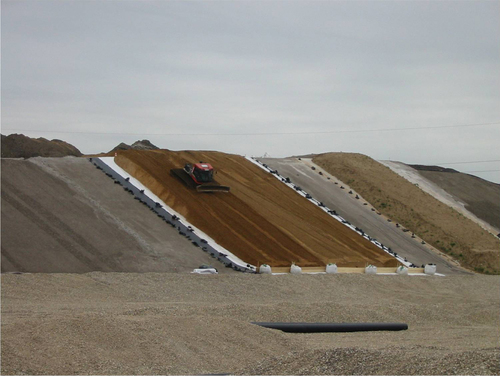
<point>164,323</point>
<point>436,223</point>
<point>260,220</point>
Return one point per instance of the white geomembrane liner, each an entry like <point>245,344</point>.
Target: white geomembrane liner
<point>110,161</point>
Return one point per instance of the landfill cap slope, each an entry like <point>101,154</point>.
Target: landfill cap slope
<point>481,197</point>
<point>435,222</point>
<point>260,220</point>
<point>62,215</point>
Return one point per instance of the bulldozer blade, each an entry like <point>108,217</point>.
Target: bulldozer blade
<point>184,177</point>
<point>212,188</point>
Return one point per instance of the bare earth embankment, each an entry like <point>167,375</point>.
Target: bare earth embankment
<point>476,198</point>
<point>164,323</point>
<point>260,220</point>
<point>436,223</point>
<point>62,215</point>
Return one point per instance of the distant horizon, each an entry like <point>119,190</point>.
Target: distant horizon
<point>261,156</point>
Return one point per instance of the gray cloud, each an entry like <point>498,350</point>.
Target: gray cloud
<point>241,67</point>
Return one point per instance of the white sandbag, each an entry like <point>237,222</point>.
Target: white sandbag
<point>371,269</point>
<point>294,269</point>
<point>265,269</point>
<point>430,269</point>
<point>402,270</point>
<point>331,268</point>
<point>205,271</point>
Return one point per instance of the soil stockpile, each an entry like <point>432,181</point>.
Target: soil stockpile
<point>480,196</point>
<point>260,220</point>
<point>152,323</point>
<point>138,145</point>
<point>20,146</point>
<point>433,221</point>
<point>62,215</point>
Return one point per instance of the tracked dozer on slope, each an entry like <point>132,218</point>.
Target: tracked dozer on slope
<point>199,176</point>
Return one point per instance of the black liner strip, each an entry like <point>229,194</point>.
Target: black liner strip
<point>303,327</point>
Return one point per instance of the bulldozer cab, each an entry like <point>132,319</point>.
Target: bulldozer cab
<point>203,172</point>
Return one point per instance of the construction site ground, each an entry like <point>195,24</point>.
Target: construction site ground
<point>167,323</point>
<point>327,189</point>
<point>260,220</point>
<point>103,286</point>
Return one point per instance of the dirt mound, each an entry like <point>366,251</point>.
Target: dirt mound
<point>261,220</point>
<point>138,145</point>
<point>20,146</point>
<point>433,221</point>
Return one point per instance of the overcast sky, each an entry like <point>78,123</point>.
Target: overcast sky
<point>318,76</point>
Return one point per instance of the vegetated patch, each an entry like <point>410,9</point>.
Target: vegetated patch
<point>433,221</point>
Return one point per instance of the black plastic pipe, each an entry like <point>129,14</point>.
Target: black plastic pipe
<point>304,327</point>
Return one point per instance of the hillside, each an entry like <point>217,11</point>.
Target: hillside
<point>480,197</point>
<point>20,146</point>
<point>433,221</point>
<point>261,220</point>
<point>62,215</point>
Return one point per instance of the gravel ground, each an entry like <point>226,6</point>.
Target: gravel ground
<point>164,323</point>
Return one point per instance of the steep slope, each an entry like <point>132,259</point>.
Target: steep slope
<point>460,191</point>
<point>260,220</point>
<point>327,189</point>
<point>62,215</point>
<point>480,197</point>
<point>433,221</point>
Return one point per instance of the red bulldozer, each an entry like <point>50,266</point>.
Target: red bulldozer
<point>199,176</point>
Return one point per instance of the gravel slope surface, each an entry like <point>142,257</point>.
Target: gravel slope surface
<point>153,323</point>
<point>436,223</point>
<point>474,197</point>
<point>62,215</point>
<point>329,192</point>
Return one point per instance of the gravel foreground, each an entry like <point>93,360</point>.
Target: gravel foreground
<point>154,323</point>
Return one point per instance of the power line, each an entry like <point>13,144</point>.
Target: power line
<point>481,171</point>
<point>450,163</point>
<point>258,133</point>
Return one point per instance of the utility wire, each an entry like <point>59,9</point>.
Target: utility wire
<point>450,163</point>
<point>259,133</point>
<point>481,171</point>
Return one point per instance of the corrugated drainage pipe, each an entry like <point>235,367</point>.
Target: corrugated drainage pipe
<point>304,327</point>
